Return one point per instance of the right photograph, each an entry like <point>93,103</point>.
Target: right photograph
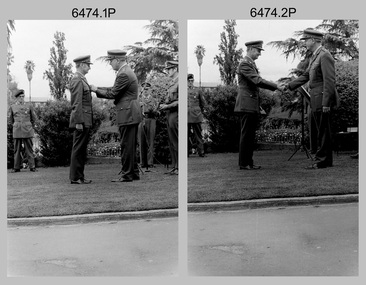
<point>273,143</point>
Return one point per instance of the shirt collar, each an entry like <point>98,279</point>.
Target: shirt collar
<point>123,65</point>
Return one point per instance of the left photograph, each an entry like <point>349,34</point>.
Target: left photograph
<point>92,148</point>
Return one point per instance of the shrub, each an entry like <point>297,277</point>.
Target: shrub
<point>223,123</point>
<point>10,144</point>
<point>54,133</point>
<point>347,86</point>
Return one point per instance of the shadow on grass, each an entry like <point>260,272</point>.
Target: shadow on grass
<point>217,177</point>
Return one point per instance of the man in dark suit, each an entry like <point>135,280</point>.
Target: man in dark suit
<point>248,103</point>
<point>323,95</point>
<point>171,108</point>
<point>124,93</point>
<point>81,119</point>
<point>23,119</point>
<point>196,104</point>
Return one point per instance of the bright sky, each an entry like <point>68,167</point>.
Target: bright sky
<point>272,65</point>
<point>33,39</point>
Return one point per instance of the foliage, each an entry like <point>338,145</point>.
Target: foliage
<point>347,85</point>
<point>200,53</point>
<point>224,125</point>
<point>59,73</point>
<point>10,145</point>
<point>29,68</point>
<point>340,38</point>
<point>10,26</point>
<point>155,51</point>
<point>54,133</point>
<point>229,57</point>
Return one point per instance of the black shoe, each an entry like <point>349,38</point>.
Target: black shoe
<point>250,167</point>
<point>121,179</point>
<point>81,181</point>
<point>33,169</point>
<point>15,170</point>
<point>171,171</point>
<point>314,166</point>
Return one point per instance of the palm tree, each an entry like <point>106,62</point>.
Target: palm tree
<point>200,53</point>
<point>29,68</point>
<point>10,25</point>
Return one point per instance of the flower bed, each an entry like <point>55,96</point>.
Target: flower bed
<point>105,149</point>
<point>289,136</point>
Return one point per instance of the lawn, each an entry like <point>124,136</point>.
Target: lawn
<point>218,178</point>
<point>213,178</point>
<point>48,192</point>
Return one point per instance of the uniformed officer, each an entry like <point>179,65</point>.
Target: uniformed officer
<point>171,108</point>
<point>323,95</point>
<point>147,127</point>
<point>23,119</point>
<point>124,92</point>
<point>248,103</point>
<point>81,119</point>
<point>196,104</point>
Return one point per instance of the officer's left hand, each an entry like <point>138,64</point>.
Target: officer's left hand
<point>326,109</point>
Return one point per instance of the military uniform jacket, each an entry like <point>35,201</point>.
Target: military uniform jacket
<point>81,102</point>
<point>149,104</point>
<point>321,76</point>
<point>23,118</point>
<point>250,81</point>
<point>125,93</point>
<point>196,103</point>
<point>172,95</point>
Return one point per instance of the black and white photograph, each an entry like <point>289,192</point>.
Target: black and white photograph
<point>273,147</point>
<point>92,148</point>
<point>182,142</point>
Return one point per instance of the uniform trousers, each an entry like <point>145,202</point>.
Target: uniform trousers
<point>128,137</point>
<point>172,126</point>
<point>248,126</point>
<point>79,153</point>
<point>28,147</point>
<point>147,129</point>
<point>197,136</point>
<point>321,130</point>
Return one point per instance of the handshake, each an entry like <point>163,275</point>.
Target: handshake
<point>283,86</point>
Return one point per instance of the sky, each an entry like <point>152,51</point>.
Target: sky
<point>271,64</point>
<point>33,39</point>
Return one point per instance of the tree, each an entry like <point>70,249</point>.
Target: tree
<point>59,73</point>
<point>200,53</point>
<point>341,38</point>
<point>29,68</point>
<point>229,57</point>
<point>10,25</point>
<point>152,54</point>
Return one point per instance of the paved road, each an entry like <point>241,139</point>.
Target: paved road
<point>126,248</point>
<point>301,241</point>
<point>293,241</point>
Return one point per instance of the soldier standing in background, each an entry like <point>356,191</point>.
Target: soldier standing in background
<point>23,119</point>
<point>196,103</point>
<point>147,127</point>
<point>171,108</point>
